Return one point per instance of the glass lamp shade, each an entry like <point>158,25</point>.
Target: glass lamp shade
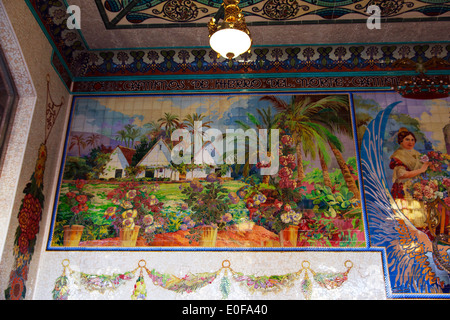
<point>229,42</point>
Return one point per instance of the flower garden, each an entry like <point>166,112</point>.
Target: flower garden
<point>174,214</point>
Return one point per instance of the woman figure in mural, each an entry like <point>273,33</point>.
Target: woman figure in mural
<point>405,161</point>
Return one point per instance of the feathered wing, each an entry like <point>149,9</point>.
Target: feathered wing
<point>406,247</point>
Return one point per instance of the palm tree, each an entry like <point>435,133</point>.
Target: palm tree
<point>151,130</point>
<point>334,121</point>
<point>169,122</point>
<point>191,119</point>
<point>308,135</point>
<point>266,121</point>
<point>77,141</point>
<point>132,133</point>
<point>93,140</point>
<point>122,136</point>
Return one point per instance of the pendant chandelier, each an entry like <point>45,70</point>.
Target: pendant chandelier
<point>424,87</point>
<point>421,86</point>
<point>230,38</point>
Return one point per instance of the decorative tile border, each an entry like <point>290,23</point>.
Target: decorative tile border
<point>216,84</point>
<point>334,58</point>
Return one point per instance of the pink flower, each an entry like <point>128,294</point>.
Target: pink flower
<point>428,192</point>
<point>447,201</point>
<point>424,158</point>
<point>446,182</point>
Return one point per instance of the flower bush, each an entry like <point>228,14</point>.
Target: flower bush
<point>136,205</point>
<point>273,209</point>
<point>209,204</point>
<point>332,204</point>
<point>78,201</point>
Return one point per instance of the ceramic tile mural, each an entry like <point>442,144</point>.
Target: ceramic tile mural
<point>404,160</point>
<point>250,171</point>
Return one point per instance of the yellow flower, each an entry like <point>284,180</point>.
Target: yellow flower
<point>128,223</point>
<point>131,194</point>
<point>111,211</point>
<point>132,213</point>
<point>148,219</point>
<point>126,204</point>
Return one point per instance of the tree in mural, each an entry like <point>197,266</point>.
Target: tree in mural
<point>93,140</point>
<point>190,120</point>
<point>151,130</point>
<point>170,122</point>
<point>79,142</point>
<point>266,121</point>
<point>298,118</point>
<point>334,120</point>
<point>128,135</point>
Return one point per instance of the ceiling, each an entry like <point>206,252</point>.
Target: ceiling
<point>114,24</point>
<point>129,45</point>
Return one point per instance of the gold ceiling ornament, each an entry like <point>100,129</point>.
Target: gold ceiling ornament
<point>230,38</point>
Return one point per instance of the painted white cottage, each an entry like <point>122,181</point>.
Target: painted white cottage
<point>157,163</point>
<point>120,159</point>
<point>209,156</point>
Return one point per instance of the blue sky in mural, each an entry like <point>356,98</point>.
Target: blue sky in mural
<point>90,115</point>
<point>106,116</point>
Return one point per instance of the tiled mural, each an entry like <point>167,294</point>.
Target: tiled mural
<point>119,173</point>
<point>405,167</point>
<point>122,172</point>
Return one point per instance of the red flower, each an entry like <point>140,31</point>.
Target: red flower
<point>75,209</point>
<point>32,231</point>
<point>81,198</point>
<point>70,194</point>
<point>286,140</point>
<point>79,183</point>
<point>83,207</point>
<point>285,173</point>
<point>155,209</point>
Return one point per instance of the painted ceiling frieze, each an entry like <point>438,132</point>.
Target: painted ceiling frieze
<point>74,56</point>
<point>151,13</point>
<point>265,59</point>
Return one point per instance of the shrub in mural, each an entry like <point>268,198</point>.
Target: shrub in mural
<point>225,171</point>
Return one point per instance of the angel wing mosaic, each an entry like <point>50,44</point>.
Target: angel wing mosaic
<point>406,191</point>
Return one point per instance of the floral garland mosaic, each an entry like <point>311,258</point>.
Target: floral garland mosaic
<point>191,283</point>
<point>30,211</point>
